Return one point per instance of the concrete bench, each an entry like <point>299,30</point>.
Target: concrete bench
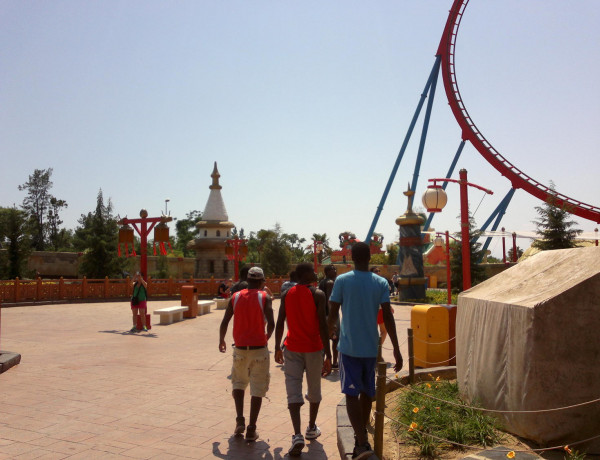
<point>204,306</point>
<point>170,315</point>
<point>221,303</point>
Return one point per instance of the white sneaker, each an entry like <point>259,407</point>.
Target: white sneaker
<point>312,433</point>
<point>297,445</point>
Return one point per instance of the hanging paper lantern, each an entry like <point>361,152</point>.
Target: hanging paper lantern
<point>126,238</point>
<point>161,233</point>
<point>434,198</point>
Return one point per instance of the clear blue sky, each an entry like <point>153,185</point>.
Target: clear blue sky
<point>304,105</point>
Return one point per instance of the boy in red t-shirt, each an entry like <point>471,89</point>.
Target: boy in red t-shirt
<point>303,308</point>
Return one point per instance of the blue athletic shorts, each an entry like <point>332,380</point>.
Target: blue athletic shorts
<point>357,375</point>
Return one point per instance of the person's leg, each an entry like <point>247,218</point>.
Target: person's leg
<point>258,372</point>
<point>134,317</point>
<point>314,367</point>
<point>313,412</point>
<point>142,312</point>
<point>239,382</point>
<point>238,398</point>
<point>334,353</point>
<point>294,409</point>
<point>366,404</point>
<point>355,414</point>
<point>255,404</point>
<point>293,369</point>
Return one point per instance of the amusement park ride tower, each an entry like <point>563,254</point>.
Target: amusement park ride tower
<point>411,283</point>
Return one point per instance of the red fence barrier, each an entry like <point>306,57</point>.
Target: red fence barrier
<point>39,290</point>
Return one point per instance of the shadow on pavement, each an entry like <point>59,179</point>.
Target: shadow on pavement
<point>150,335</point>
<point>239,448</point>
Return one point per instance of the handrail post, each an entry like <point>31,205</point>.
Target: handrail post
<point>38,289</point>
<point>380,409</point>
<point>17,289</point>
<point>411,357</point>
<point>61,288</point>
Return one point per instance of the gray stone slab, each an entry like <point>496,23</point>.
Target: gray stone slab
<point>8,359</point>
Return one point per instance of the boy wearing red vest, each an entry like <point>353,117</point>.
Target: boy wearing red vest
<point>303,308</point>
<point>251,310</point>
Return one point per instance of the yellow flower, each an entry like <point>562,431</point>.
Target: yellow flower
<point>413,426</point>
<point>437,408</point>
<point>428,385</point>
<point>437,379</point>
<point>567,449</point>
<point>511,454</point>
<point>415,410</point>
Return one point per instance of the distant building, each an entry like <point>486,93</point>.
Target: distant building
<point>214,231</point>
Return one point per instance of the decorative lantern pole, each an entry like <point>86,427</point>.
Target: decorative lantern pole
<point>237,251</point>
<point>317,248</point>
<point>146,224</point>
<point>434,199</point>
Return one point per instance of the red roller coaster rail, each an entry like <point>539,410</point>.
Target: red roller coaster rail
<point>470,132</point>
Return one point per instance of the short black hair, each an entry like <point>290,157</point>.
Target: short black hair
<point>304,269</point>
<point>361,252</point>
<point>244,273</point>
<point>293,276</point>
<point>329,268</point>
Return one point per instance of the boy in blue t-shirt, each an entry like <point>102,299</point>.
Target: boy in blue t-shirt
<point>360,293</point>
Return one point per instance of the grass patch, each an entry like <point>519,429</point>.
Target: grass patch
<point>427,423</point>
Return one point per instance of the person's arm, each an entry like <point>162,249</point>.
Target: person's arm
<point>390,326</point>
<point>269,317</point>
<point>279,331</point>
<point>223,329</point>
<point>334,313</point>
<point>320,300</point>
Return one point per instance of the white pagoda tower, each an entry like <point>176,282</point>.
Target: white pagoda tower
<point>214,231</point>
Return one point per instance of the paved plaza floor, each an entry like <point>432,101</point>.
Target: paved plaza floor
<point>86,388</point>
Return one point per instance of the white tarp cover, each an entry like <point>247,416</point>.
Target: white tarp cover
<point>528,339</point>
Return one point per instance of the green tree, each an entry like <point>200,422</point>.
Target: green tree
<point>297,247</point>
<point>186,231</point>
<point>456,262</point>
<point>97,237</point>
<point>38,202</point>
<point>16,241</point>
<point>509,255</point>
<point>554,229</point>
<point>59,239</point>
<point>392,253</point>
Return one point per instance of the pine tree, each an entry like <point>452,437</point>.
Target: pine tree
<point>98,237</point>
<point>16,241</point>
<point>553,228</point>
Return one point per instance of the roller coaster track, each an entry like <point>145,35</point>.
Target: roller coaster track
<point>470,132</point>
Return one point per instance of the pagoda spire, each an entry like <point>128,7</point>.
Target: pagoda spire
<point>215,177</point>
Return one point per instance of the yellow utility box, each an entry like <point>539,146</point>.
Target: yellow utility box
<point>431,335</point>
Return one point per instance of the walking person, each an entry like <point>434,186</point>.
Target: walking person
<point>251,310</point>
<point>138,302</point>
<point>360,293</point>
<point>303,309</point>
<point>326,285</point>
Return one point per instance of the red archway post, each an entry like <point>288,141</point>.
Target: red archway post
<point>146,224</point>
<point>235,245</point>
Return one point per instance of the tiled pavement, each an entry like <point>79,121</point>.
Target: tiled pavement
<point>87,389</point>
